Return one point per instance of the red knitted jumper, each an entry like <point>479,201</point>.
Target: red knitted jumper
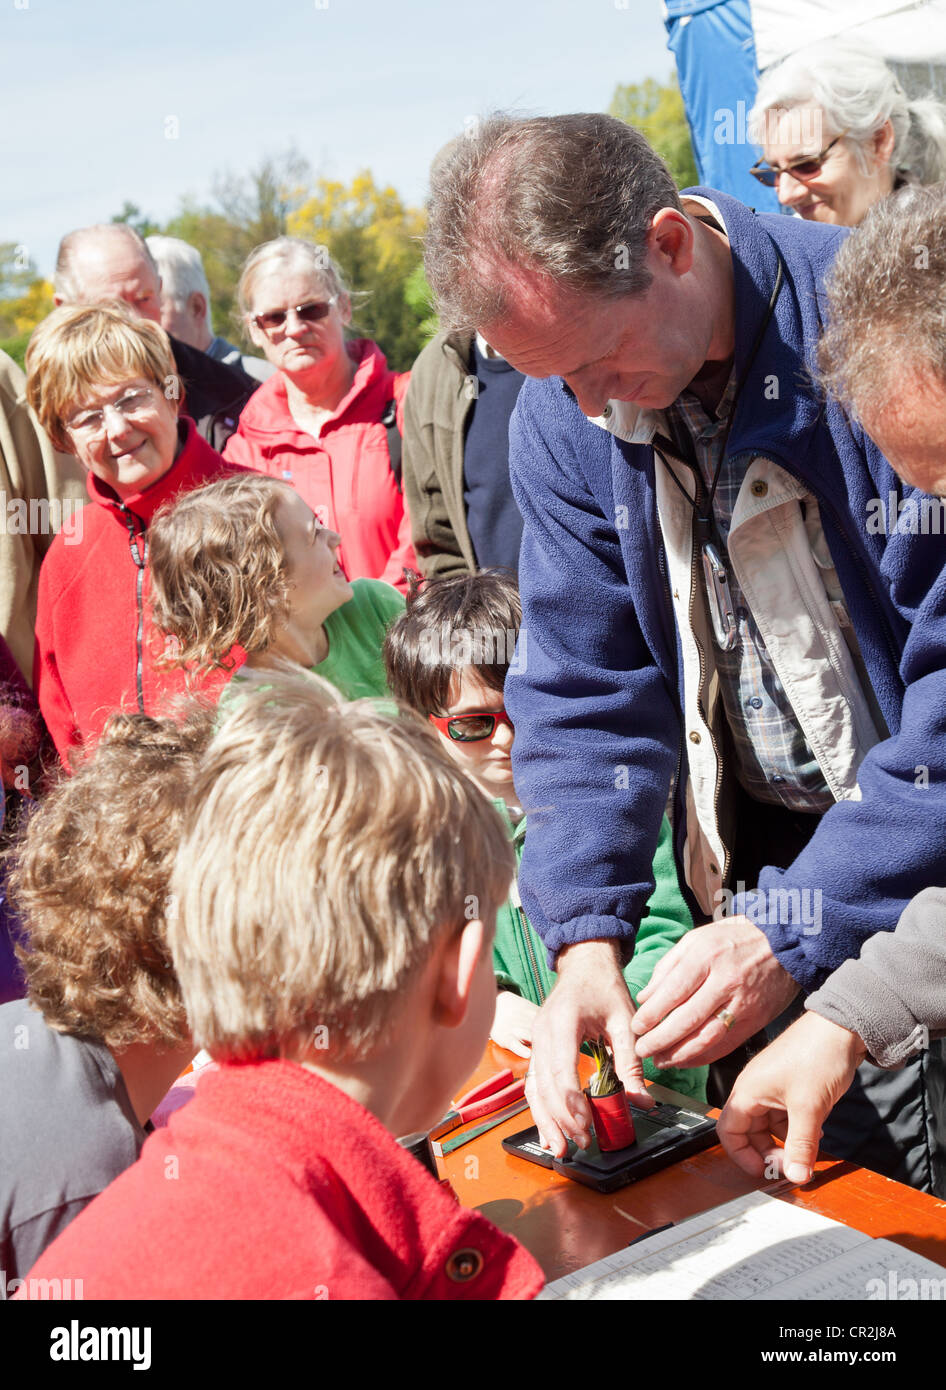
<point>273,1183</point>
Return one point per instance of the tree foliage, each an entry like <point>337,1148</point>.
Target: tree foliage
<point>419,297</point>
<point>133,217</point>
<point>369,231</point>
<point>656,110</point>
<point>376,241</point>
<point>245,211</point>
<point>25,298</point>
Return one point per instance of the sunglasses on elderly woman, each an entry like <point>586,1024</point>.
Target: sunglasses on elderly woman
<point>312,312</point>
<point>470,728</point>
<point>802,169</point>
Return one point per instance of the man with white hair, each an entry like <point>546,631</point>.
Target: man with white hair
<point>112,261</point>
<point>185,305</point>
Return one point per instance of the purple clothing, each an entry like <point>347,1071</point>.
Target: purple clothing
<point>13,688</point>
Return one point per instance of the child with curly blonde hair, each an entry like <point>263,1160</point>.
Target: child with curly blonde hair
<point>102,1034</point>
<point>243,564</point>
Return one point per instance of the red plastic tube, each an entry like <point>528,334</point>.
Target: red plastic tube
<point>614,1128</point>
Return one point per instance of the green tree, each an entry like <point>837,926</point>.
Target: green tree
<point>132,216</point>
<point>419,298</point>
<point>25,299</point>
<point>370,232</point>
<point>15,347</point>
<point>376,241</point>
<point>656,110</point>
<point>261,202</point>
<point>247,209</point>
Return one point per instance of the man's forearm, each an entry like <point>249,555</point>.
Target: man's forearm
<point>596,723</point>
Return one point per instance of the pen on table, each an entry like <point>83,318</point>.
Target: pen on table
<point>647,1234</point>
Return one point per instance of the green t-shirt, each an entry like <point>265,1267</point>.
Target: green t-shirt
<point>520,961</point>
<point>355,633</point>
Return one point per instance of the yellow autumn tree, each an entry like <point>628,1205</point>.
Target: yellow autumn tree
<point>376,240</point>
<point>32,307</point>
<point>25,299</point>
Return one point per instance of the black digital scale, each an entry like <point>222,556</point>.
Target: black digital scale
<point>665,1135</point>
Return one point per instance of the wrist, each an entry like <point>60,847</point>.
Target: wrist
<point>839,1039</point>
<point>587,956</point>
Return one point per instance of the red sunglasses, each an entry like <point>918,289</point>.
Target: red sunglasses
<point>470,728</point>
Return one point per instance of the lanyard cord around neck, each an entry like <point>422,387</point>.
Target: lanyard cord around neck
<point>705,520</point>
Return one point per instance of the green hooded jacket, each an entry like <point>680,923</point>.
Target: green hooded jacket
<point>519,957</point>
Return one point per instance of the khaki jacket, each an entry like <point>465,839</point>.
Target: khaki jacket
<point>40,490</point>
<point>436,410</point>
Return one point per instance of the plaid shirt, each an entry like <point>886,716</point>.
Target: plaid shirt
<point>774,761</point>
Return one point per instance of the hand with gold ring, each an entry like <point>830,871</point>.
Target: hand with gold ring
<point>715,988</point>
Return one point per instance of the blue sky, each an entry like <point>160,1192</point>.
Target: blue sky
<point>90,88</point>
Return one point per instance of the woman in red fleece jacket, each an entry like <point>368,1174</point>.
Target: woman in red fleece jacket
<point>330,962</point>
<point>318,421</point>
<point>103,383</point>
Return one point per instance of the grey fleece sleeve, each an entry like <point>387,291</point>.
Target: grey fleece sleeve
<point>894,996</point>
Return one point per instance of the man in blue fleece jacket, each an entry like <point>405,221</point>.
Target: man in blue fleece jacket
<point>710,609</point>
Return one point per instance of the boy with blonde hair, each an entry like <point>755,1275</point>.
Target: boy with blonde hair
<point>337,886</point>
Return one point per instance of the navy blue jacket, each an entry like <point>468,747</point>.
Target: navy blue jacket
<point>597,707</point>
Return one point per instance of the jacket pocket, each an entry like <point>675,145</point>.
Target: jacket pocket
<point>775,557</point>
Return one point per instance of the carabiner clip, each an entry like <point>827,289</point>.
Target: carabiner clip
<point>722,616</point>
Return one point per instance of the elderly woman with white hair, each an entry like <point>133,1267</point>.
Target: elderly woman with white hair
<point>838,133</point>
<point>329,420</point>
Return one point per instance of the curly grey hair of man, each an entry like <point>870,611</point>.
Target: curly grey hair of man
<point>887,298</point>
<point>568,196</point>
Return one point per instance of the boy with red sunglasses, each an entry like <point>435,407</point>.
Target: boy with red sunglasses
<point>448,657</point>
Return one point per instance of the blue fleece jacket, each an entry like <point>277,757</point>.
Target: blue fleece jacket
<point>597,705</point>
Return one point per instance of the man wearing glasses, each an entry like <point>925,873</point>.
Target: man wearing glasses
<point>709,614</point>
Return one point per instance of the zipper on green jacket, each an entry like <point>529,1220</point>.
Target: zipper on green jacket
<point>531,954</point>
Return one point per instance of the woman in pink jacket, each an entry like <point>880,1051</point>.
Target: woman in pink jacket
<point>329,418</point>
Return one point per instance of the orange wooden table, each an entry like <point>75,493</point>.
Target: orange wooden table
<point>566,1225</point>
